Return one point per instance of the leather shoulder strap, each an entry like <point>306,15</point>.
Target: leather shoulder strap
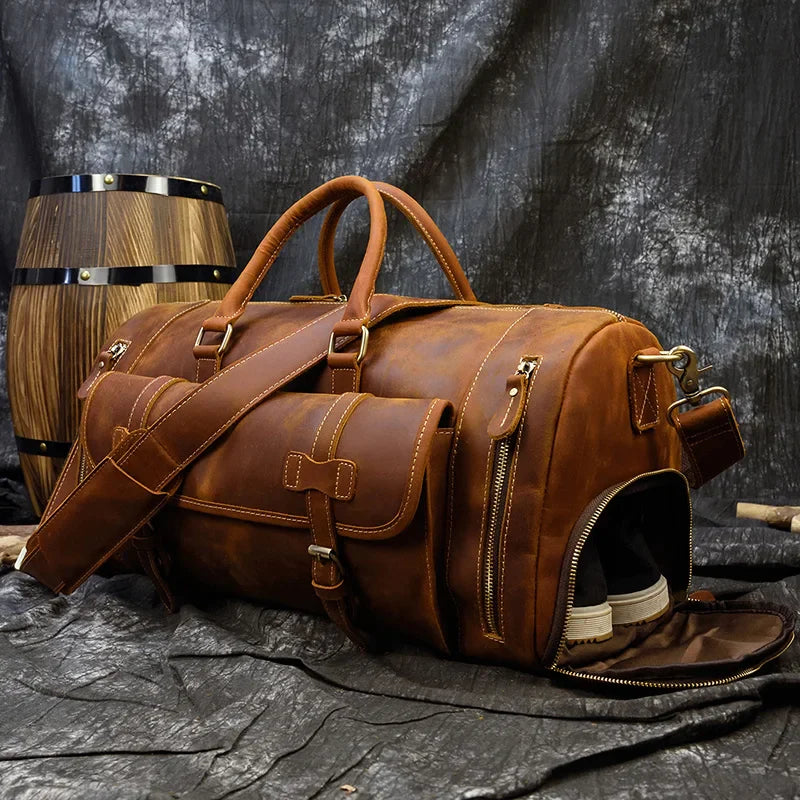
<point>142,472</point>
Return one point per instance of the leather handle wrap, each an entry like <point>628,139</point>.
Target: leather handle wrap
<point>235,301</point>
<point>417,216</point>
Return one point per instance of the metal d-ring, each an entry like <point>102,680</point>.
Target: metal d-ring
<point>362,349</point>
<point>223,346</point>
<point>694,400</point>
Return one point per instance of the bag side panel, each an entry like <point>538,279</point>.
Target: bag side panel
<point>595,446</point>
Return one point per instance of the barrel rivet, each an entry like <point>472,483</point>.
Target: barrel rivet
<point>85,274</point>
<point>514,392</point>
<point>203,188</point>
<point>108,180</point>
<point>217,274</point>
<point>42,447</point>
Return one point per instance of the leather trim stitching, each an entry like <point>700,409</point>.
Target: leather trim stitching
<point>507,525</point>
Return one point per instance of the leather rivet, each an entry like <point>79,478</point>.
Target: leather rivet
<point>101,365</point>
<point>42,447</point>
<point>108,180</point>
<point>514,392</point>
<point>204,189</point>
<point>85,275</point>
<point>217,274</point>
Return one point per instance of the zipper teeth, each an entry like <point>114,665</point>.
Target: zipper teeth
<point>675,684</point>
<point>573,569</point>
<point>490,579</point>
<point>497,506</point>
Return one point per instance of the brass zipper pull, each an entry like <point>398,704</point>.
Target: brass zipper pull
<point>106,361</point>
<point>318,298</point>
<point>508,417</point>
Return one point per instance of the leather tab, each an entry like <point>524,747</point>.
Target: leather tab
<point>101,365</point>
<point>711,440</point>
<point>156,563</point>
<point>335,478</point>
<point>702,596</point>
<point>506,420</point>
<point>643,392</point>
<point>328,594</point>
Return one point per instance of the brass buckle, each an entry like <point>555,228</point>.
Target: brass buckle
<point>223,344</point>
<point>362,349</point>
<point>325,555</point>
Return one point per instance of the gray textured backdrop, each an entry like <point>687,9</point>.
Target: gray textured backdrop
<point>637,155</point>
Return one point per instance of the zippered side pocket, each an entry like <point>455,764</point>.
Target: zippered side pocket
<point>505,430</point>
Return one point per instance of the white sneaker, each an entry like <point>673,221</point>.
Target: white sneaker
<point>589,624</point>
<point>642,606</point>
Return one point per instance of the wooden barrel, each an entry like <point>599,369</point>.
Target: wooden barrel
<point>94,250</point>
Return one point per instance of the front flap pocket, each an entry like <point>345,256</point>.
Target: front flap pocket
<point>262,468</point>
<point>367,473</point>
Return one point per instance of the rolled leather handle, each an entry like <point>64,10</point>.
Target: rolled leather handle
<point>232,306</point>
<point>417,216</point>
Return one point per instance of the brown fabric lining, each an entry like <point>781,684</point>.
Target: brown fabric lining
<point>698,639</point>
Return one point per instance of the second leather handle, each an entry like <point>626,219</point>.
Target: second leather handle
<point>417,216</point>
<point>235,301</point>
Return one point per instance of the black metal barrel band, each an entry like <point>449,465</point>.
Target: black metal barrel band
<point>42,447</point>
<point>115,182</point>
<point>123,276</point>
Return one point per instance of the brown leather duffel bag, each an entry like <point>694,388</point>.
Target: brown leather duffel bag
<point>429,468</point>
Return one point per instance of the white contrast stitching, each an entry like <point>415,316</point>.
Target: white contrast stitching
<point>409,484</point>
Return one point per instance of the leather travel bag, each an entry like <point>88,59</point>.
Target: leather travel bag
<point>421,468</point>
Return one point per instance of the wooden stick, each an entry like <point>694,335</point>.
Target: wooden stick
<point>785,517</point>
<point>12,540</point>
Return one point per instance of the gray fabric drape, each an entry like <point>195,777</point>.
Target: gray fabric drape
<point>640,156</point>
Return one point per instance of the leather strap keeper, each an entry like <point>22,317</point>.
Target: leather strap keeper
<point>335,478</point>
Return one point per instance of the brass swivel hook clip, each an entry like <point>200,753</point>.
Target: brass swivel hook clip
<point>687,370</point>
<point>683,363</point>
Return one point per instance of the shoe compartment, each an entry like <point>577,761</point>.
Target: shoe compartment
<point>690,643</point>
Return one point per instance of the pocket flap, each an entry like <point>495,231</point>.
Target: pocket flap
<point>260,469</point>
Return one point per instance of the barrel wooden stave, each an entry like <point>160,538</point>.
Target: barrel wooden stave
<point>55,331</point>
<point>120,229</point>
